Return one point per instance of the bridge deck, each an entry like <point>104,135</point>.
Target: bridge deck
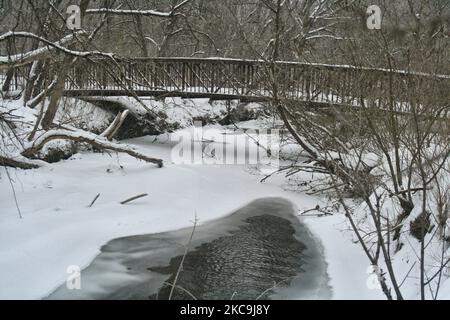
<point>246,80</point>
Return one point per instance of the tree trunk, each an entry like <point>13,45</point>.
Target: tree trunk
<point>50,114</point>
<point>57,93</point>
<point>30,86</point>
<point>9,76</point>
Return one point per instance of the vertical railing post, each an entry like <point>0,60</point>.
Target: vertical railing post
<point>183,76</point>
<point>212,75</point>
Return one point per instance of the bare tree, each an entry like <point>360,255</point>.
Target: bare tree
<point>369,110</point>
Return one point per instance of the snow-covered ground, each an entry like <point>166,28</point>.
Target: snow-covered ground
<point>59,230</point>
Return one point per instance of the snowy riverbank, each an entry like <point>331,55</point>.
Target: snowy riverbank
<point>58,229</point>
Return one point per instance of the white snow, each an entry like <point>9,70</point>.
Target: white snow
<point>58,230</point>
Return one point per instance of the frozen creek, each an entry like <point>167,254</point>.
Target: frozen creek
<point>260,251</point>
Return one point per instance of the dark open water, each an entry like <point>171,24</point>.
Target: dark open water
<point>240,256</point>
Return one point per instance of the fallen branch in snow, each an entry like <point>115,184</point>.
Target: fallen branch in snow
<point>319,215</point>
<point>87,137</point>
<point>134,198</point>
<point>14,163</point>
<point>93,201</point>
<point>316,208</point>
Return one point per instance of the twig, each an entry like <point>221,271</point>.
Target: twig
<point>180,267</point>
<point>407,274</point>
<point>181,288</point>
<point>438,272</point>
<point>316,208</point>
<point>316,214</point>
<point>14,192</point>
<point>93,201</point>
<point>134,198</point>
<point>275,284</point>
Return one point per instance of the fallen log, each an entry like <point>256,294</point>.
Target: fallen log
<point>86,137</point>
<point>15,163</point>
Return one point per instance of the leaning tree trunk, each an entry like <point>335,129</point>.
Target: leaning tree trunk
<point>32,83</point>
<point>56,95</point>
<point>57,92</point>
<point>9,76</point>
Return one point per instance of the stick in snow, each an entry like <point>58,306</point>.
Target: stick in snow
<point>134,198</point>
<point>93,201</point>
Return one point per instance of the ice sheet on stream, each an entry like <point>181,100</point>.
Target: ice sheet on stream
<point>241,255</point>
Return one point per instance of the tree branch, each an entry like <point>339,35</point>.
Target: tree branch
<point>146,13</point>
<point>87,137</point>
<point>27,57</point>
<point>14,163</point>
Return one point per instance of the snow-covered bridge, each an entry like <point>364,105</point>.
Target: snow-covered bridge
<point>247,80</point>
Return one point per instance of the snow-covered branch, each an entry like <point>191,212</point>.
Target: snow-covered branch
<point>18,162</point>
<point>147,13</point>
<point>324,36</point>
<point>27,57</point>
<point>86,137</point>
